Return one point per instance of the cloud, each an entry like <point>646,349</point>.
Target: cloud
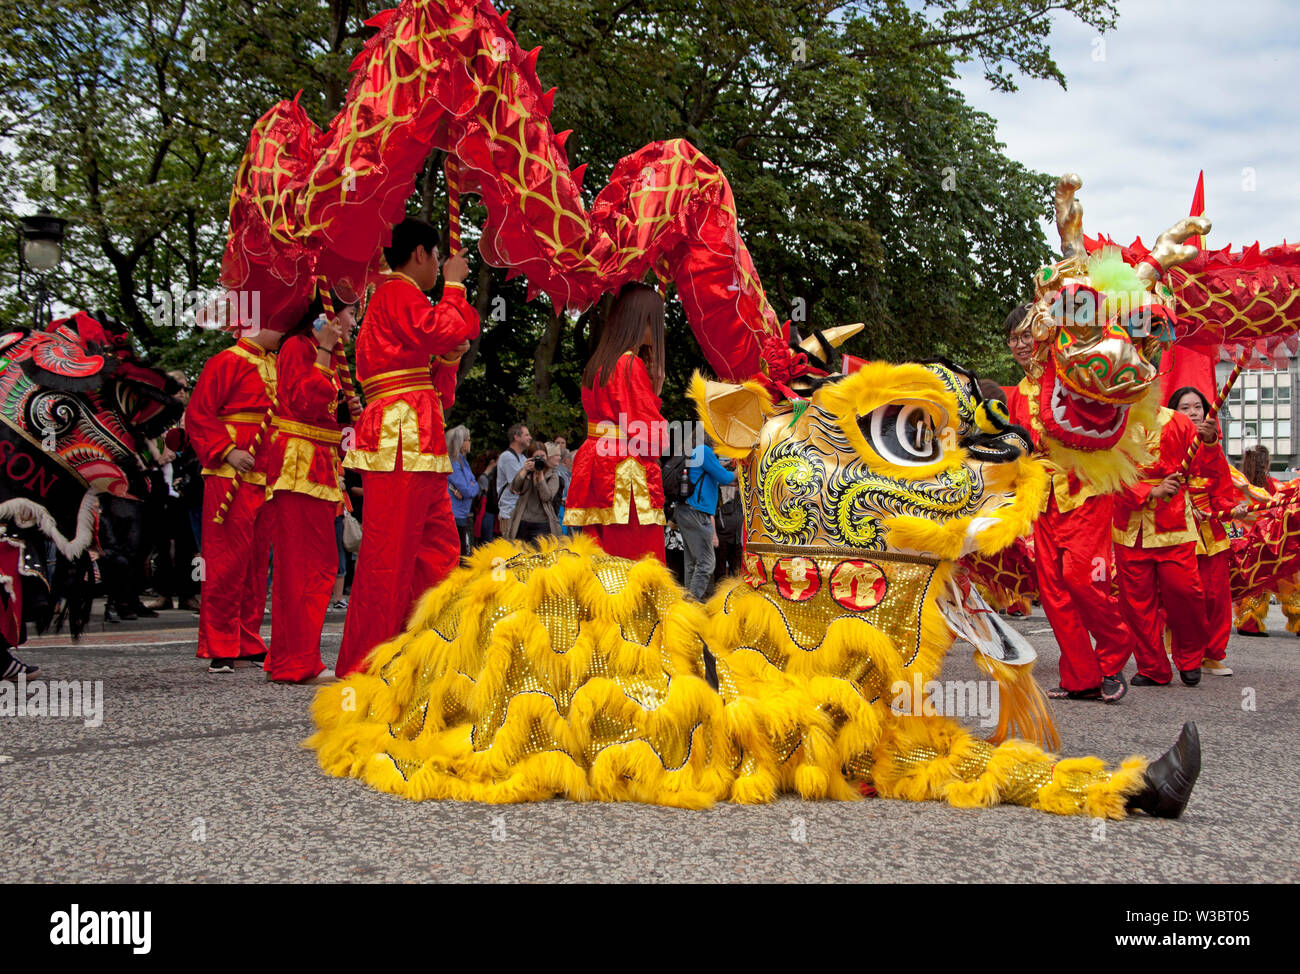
<point>1178,86</point>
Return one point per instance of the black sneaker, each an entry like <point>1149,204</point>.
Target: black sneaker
<point>1114,687</point>
<point>1191,678</point>
<point>11,667</point>
<point>1145,681</point>
<point>221,665</point>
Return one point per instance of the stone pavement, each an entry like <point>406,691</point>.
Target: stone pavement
<point>194,778</point>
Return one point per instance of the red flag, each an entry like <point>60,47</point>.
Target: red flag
<point>1189,366</point>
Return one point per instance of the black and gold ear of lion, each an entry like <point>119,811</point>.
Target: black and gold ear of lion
<point>732,414</point>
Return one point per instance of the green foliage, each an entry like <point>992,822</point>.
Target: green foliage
<point>868,190</point>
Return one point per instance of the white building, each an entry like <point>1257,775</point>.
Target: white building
<point>1259,411</point>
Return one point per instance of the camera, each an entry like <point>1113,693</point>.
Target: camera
<point>539,463</point>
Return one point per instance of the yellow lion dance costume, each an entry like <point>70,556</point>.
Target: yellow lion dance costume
<point>562,671</point>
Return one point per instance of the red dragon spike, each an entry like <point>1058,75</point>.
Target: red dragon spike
<point>530,61</point>
<point>578,173</point>
<point>548,101</point>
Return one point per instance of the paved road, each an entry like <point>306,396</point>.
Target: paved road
<point>194,777</point>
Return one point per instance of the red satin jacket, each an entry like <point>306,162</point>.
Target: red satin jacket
<point>617,466</point>
<point>1209,482</point>
<point>1070,492</point>
<point>228,406</point>
<point>1138,521</point>
<point>406,393</point>
<point>305,434</point>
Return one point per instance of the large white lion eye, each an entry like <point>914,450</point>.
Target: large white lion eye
<point>902,433</point>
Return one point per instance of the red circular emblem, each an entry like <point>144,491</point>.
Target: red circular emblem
<point>858,585</point>
<point>797,579</point>
<point>754,573</point>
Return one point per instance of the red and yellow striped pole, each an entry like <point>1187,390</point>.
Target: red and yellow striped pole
<point>1219,400</point>
<point>220,516</point>
<point>452,169</point>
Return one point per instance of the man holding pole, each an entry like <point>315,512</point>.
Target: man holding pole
<point>408,354</point>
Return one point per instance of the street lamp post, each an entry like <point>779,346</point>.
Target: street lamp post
<point>40,250</point>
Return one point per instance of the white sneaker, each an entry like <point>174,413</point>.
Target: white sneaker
<point>1216,667</point>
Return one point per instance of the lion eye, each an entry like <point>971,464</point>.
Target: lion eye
<point>902,433</point>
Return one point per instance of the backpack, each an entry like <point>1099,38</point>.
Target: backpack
<point>677,480</point>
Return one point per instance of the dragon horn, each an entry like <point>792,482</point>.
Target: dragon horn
<point>835,337</point>
<point>1169,250</point>
<point>1069,215</point>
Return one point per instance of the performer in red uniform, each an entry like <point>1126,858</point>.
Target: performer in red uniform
<point>228,410</point>
<point>1073,557</point>
<point>410,541</point>
<point>616,490</point>
<point>303,493</point>
<point>1210,487</point>
<point>1155,556</point>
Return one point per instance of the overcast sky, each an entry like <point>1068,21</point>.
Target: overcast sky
<point>1179,86</point>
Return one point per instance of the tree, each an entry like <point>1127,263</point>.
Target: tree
<point>867,189</point>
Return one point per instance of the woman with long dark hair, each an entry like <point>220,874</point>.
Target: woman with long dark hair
<point>616,491</point>
<point>1209,485</point>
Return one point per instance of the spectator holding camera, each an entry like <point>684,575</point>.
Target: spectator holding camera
<point>535,487</point>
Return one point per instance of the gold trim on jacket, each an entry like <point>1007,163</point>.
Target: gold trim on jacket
<point>401,424</point>
<point>629,483</point>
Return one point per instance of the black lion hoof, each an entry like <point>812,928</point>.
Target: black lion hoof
<point>1169,781</point>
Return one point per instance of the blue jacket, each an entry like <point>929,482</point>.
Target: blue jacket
<point>462,478</point>
<point>706,473</point>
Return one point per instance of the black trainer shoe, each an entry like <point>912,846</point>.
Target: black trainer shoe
<point>221,665</point>
<point>11,667</point>
<point>1113,688</point>
<point>1145,681</point>
<point>1191,678</point>
<point>1169,781</point>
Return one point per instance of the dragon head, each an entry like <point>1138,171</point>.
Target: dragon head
<point>907,459</point>
<point>1099,326</point>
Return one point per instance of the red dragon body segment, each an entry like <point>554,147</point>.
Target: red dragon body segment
<point>450,76</point>
<point>1243,299</point>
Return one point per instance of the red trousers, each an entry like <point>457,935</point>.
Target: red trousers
<point>236,557</point>
<point>409,544</point>
<point>1072,553</point>
<point>632,540</point>
<point>1216,582</point>
<point>1151,579</point>
<point>11,606</point>
<point>306,564</point>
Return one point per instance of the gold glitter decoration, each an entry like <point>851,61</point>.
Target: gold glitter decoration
<point>1024,781</point>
